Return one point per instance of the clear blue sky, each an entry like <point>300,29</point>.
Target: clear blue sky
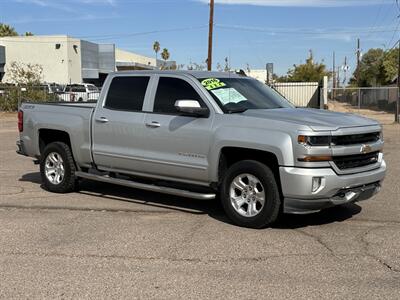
<point>248,31</point>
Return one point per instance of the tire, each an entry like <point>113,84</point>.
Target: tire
<point>245,208</point>
<point>58,156</point>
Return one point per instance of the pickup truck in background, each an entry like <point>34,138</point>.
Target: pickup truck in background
<point>207,135</point>
<point>80,93</point>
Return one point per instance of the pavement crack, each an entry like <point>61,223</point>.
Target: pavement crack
<point>186,239</point>
<point>318,240</point>
<point>366,245</point>
<point>152,258</point>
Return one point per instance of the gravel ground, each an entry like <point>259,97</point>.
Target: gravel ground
<point>113,242</point>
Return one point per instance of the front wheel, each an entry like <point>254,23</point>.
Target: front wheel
<point>250,194</point>
<point>57,168</point>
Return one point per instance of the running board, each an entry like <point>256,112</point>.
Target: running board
<point>146,187</point>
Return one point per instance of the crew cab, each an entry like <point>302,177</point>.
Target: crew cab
<point>207,135</point>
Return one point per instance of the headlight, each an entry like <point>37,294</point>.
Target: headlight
<point>314,140</point>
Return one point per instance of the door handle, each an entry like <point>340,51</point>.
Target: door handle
<point>102,120</point>
<point>153,124</point>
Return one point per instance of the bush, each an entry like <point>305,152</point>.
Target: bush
<point>13,96</point>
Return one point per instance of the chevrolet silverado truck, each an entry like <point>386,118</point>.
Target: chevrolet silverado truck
<point>206,135</point>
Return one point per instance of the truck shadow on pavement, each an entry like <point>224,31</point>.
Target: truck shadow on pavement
<point>156,202</point>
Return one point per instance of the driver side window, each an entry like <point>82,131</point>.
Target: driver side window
<point>171,89</point>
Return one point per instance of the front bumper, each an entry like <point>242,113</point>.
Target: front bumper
<point>334,189</point>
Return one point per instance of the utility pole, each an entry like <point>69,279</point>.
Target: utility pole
<point>210,36</point>
<point>396,117</point>
<point>333,76</point>
<point>358,62</point>
<point>333,71</point>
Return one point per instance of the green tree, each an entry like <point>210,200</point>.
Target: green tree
<point>371,71</point>
<point>25,74</point>
<point>156,48</point>
<point>28,33</point>
<point>307,72</point>
<point>391,64</point>
<point>7,30</point>
<point>27,79</point>
<point>165,56</point>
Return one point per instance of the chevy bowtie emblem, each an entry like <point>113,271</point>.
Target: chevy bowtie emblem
<point>365,149</point>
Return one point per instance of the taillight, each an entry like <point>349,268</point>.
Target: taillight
<point>20,121</point>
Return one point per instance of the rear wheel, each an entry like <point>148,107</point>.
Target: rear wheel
<point>250,194</point>
<point>57,168</point>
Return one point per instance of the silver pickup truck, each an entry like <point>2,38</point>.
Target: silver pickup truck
<point>207,135</point>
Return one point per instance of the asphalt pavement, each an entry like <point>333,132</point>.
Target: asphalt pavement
<point>108,241</point>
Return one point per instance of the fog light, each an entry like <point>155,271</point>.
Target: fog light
<point>317,184</point>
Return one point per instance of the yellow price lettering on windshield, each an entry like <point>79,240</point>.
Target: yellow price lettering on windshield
<point>212,83</point>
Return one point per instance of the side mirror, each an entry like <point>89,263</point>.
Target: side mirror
<point>191,108</point>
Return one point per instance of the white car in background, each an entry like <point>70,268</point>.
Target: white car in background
<point>81,92</point>
<point>51,88</point>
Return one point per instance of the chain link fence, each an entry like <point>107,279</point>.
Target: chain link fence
<point>368,101</point>
<point>12,96</point>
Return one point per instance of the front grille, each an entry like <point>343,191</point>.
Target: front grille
<point>355,161</point>
<point>354,139</point>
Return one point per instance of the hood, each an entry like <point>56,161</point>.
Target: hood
<point>316,119</point>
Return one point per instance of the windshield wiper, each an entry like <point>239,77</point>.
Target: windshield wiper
<point>236,110</point>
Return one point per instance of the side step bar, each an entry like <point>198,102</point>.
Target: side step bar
<point>147,187</point>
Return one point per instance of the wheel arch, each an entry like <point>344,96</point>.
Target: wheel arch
<point>47,136</point>
<point>230,155</point>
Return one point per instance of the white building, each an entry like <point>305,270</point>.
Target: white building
<point>260,75</point>
<point>126,60</point>
<point>68,60</point>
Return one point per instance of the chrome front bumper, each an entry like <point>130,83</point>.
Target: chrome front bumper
<point>334,189</point>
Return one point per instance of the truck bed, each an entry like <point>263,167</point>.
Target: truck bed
<point>73,118</point>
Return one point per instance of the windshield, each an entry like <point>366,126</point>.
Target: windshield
<point>240,94</point>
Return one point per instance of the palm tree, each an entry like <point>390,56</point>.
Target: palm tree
<point>156,48</point>
<point>7,30</point>
<point>165,56</point>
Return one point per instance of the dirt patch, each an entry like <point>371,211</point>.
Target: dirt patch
<point>381,116</point>
<point>8,116</point>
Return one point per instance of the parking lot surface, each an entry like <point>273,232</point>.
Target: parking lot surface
<point>108,241</point>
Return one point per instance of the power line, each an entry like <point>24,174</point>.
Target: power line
<point>299,31</point>
<point>377,17</point>
<point>102,37</point>
<point>390,9</point>
<point>116,36</point>
<point>394,33</point>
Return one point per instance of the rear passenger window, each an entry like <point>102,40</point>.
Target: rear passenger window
<point>127,93</point>
<point>171,89</point>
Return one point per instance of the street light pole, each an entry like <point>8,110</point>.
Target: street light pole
<point>210,36</point>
